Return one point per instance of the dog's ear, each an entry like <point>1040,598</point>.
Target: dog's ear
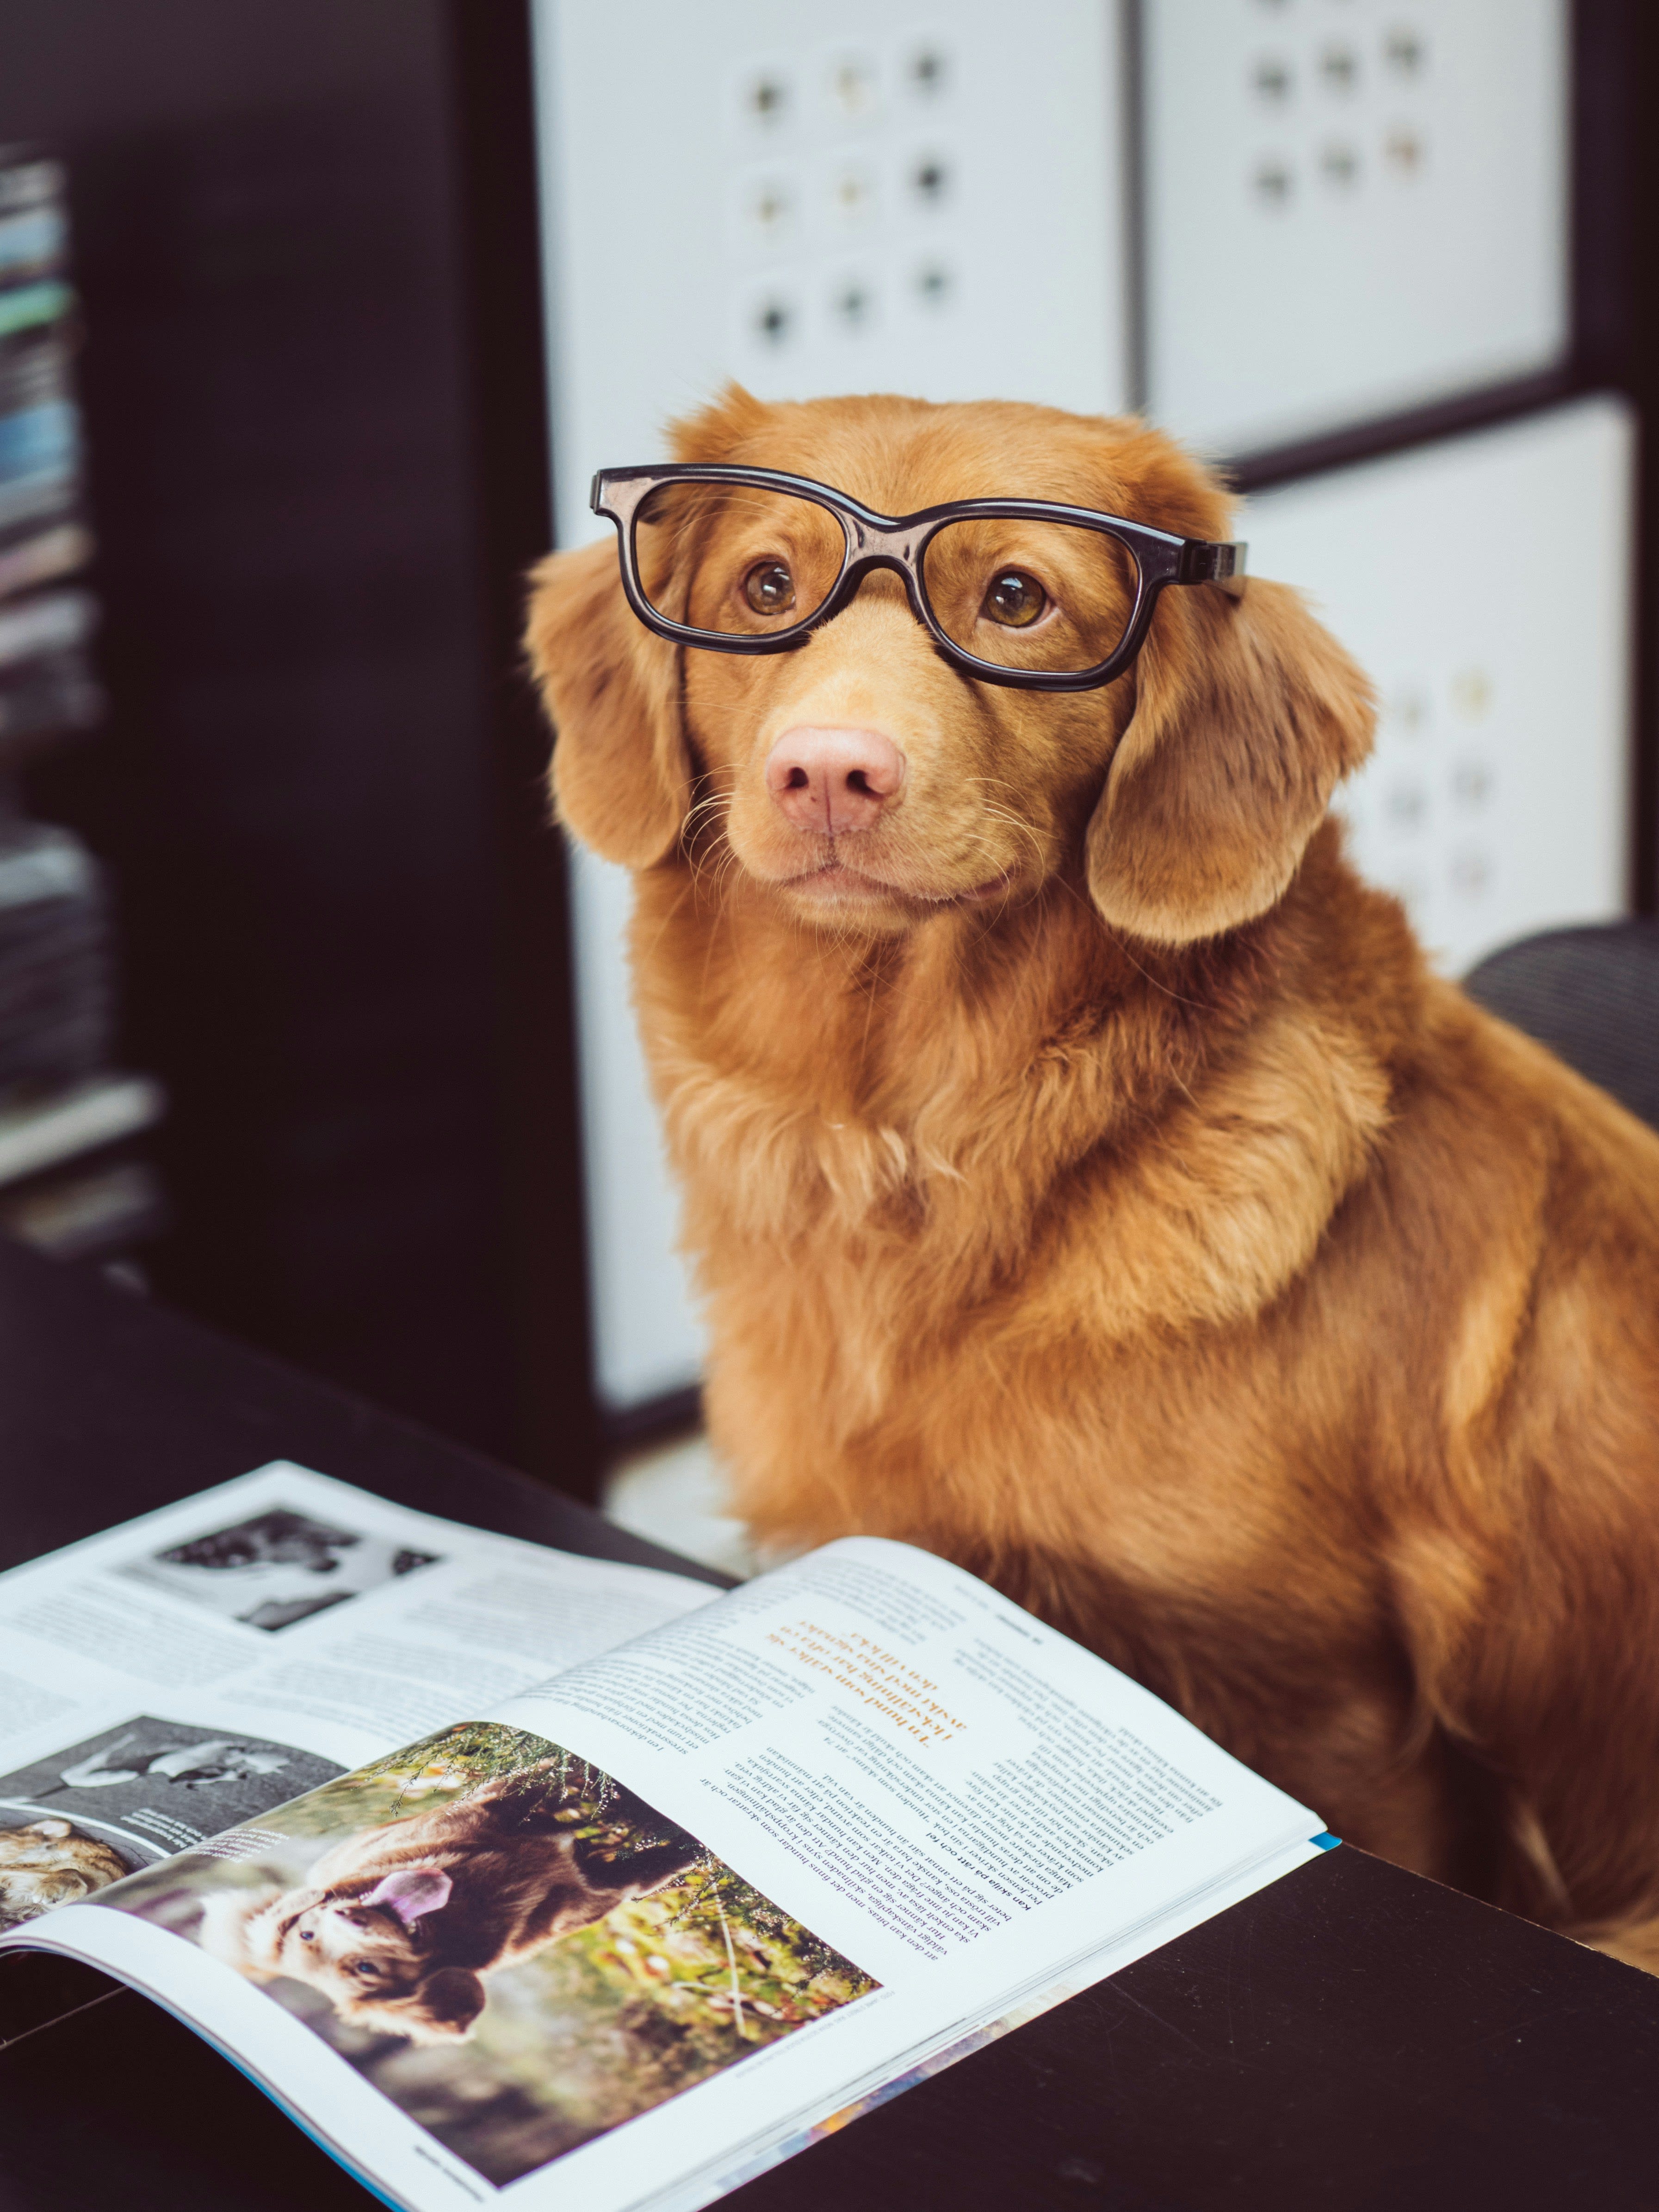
<point>721,431</point>
<point>1246,714</point>
<point>440,2009</point>
<point>621,774</point>
<point>622,771</point>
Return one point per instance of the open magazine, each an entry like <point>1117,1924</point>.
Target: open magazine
<point>512,1873</point>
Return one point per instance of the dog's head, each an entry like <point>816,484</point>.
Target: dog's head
<point>1183,794</point>
<point>375,1958</point>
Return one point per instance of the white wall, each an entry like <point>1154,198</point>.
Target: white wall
<point>1485,583</point>
<point>1352,207</point>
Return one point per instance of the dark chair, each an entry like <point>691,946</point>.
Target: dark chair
<point>1592,995</point>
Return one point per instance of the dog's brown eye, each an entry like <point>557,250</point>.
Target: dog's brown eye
<point>769,588</point>
<point>1015,600</point>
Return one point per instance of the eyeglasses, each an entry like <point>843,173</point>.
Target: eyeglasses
<point>1021,592</point>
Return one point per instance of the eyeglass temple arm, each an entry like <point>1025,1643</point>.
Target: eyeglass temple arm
<point>1205,561</point>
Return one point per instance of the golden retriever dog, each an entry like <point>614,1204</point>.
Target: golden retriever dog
<point>400,1923</point>
<point>1088,1179</point>
<point>51,1862</point>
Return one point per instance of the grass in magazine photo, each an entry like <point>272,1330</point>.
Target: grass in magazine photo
<point>83,1817</point>
<point>277,1568</point>
<point>507,1944</point>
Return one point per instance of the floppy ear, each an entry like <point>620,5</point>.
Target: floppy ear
<point>1246,714</point>
<point>412,1893</point>
<point>621,775</point>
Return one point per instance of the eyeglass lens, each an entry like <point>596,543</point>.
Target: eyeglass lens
<point>737,560</point>
<point>1027,594</point>
<point>734,559</point>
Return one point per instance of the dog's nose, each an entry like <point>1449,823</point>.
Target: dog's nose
<point>833,780</point>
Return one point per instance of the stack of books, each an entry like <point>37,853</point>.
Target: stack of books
<point>69,1180</point>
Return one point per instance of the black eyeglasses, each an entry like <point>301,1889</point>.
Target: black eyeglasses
<point>1021,592</point>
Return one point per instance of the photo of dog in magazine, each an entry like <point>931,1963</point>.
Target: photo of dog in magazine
<point>670,1881</point>
<point>511,1947</point>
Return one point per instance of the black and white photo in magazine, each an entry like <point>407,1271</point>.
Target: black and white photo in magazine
<point>82,1817</point>
<point>277,1568</point>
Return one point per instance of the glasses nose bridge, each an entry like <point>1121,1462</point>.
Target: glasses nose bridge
<point>872,547</point>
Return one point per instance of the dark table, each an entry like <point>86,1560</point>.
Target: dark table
<point>1352,2036</point>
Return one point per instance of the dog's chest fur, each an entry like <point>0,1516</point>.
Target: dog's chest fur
<point>997,1234</point>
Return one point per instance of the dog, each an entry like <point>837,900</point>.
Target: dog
<point>400,1923</point>
<point>1088,1180</point>
<point>202,1765</point>
<point>278,1539</point>
<point>51,1862</point>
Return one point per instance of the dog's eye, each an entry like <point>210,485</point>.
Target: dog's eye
<point>1014,600</point>
<point>305,1936</point>
<point>364,1967</point>
<point>769,588</point>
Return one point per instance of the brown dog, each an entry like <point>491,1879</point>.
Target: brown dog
<point>1089,1181</point>
<point>51,1862</point>
<point>398,1924</point>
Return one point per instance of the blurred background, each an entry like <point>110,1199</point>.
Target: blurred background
<point>316,317</point>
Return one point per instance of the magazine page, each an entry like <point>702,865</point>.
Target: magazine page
<point>179,1674</point>
<point>657,1921</point>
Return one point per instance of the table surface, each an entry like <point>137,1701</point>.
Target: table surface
<point>1351,2036</point>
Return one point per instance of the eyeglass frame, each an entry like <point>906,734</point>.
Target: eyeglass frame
<point>899,543</point>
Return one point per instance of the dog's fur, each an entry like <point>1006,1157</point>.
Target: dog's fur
<point>400,1923</point>
<point>1117,1203</point>
<point>51,1862</point>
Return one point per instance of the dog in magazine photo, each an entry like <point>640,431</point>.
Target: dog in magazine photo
<point>1086,1174</point>
<point>276,1569</point>
<point>505,1941</point>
